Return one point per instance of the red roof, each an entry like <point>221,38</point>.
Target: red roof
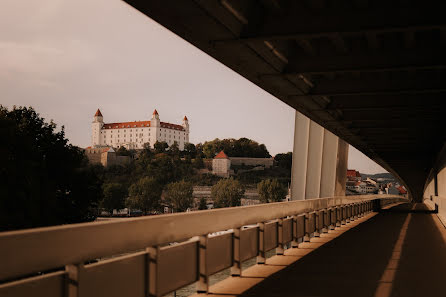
<point>98,113</point>
<point>155,112</point>
<point>221,155</point>
<point>172,126</point>
<point>141,124</point>
<point>185,118</point>
<point>353,173</point>
<point>402,190</point>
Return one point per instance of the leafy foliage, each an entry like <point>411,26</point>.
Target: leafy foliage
<point>202,205</point>
<point>242,147</point>
<point>227,192</point>
<point>270,190</point>
<point>284,160</point>
<point>179,195</point>
<point>114,196</point>
<point>160,147</point>
<point>145,194</point>
<point>43,179</point>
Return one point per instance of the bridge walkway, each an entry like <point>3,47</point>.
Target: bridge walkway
<point>399,252</point>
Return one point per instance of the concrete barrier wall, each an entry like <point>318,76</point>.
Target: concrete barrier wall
<point>432,200</point>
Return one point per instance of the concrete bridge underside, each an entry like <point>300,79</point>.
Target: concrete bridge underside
<point>371,72</point>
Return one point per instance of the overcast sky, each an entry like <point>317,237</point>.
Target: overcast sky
<point>68,58</point>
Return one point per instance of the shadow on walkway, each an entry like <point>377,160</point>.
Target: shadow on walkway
<point>354,263</point>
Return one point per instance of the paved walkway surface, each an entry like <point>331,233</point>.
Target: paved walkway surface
<point>400,252</point>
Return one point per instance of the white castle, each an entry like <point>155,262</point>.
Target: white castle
<point>133,135</point>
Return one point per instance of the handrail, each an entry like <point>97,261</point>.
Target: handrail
<point>28,251</point>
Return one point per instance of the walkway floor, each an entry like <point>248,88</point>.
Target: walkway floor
<point>400,252</point>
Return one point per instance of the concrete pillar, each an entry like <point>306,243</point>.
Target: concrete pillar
<point>314,161</point>
<point>341,168</point>
<point>329,160</point>
<point>300,151</point>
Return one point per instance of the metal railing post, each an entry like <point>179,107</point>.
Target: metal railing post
<point>294,242</point>
<point>74,276</point>
<point>281,247</point>
<point>203,278</point>
<point>261,257</point>
<point>153,254</point>
<point>236,269</point>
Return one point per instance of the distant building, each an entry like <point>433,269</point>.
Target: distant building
<point>133,135</point>
<point>221,164</point>
<point>353,175</point>
<point>105,156</point>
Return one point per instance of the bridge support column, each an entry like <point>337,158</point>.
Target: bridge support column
<point>300,152</point>
<point>314,162</point>
<point>329,159</point>
<point>341,168</point>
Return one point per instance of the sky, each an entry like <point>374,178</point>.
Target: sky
<point>69,58</point>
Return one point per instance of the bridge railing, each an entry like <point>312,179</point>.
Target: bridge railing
<point>159,254</point>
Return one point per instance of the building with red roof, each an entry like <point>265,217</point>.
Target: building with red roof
<point>133,135</point>
<point>221,165</point>
<point>353,175</point>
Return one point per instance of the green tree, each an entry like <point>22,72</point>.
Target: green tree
<point>270,190</point>
<point>174,150</point>
<point>114,196</point>
<point>227,192</point>
<point>122,151</point>
<point>198,162</point>
<point>160,146</point>
<point>145,194</point>
<point>242,147</point>
<point>284,160</point>
<point>202,204</point>
<point>179,195</point>
<point>43,179</point>
<point>190,150</point>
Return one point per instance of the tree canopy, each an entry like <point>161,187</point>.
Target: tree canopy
<point>242,147</point>
<point>227,192</point>
<point>270,190</point>
<point>179,195</point>
<point>145,194</point>
<point>114,196</point>
<point>43,179</point>
<point>284,160</point>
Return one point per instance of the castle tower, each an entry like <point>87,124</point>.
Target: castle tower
<point>156,124</point>
<point>96,127</point>
<point>186,127</point>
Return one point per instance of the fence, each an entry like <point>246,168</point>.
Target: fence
<point>158,254</point>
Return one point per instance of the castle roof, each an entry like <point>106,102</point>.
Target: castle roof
<point>98,113</point>
<point>140,124</point>
<point>155,112</point>
<point>185,118</point>
<point>221,155</point>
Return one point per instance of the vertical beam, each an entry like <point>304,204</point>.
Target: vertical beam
<point>281,247</point>
<point>74,276</point>
<point>236,269</point>
<point>153,254</point>
<point>314,161</point>
<point>261,257</point>
<point>203,278</point>
<point>436,183</point>
<point>329,160</point>
<point>300,152</point>
<point>341,168</point>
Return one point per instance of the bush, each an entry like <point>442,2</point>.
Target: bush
<point>227,193</point>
